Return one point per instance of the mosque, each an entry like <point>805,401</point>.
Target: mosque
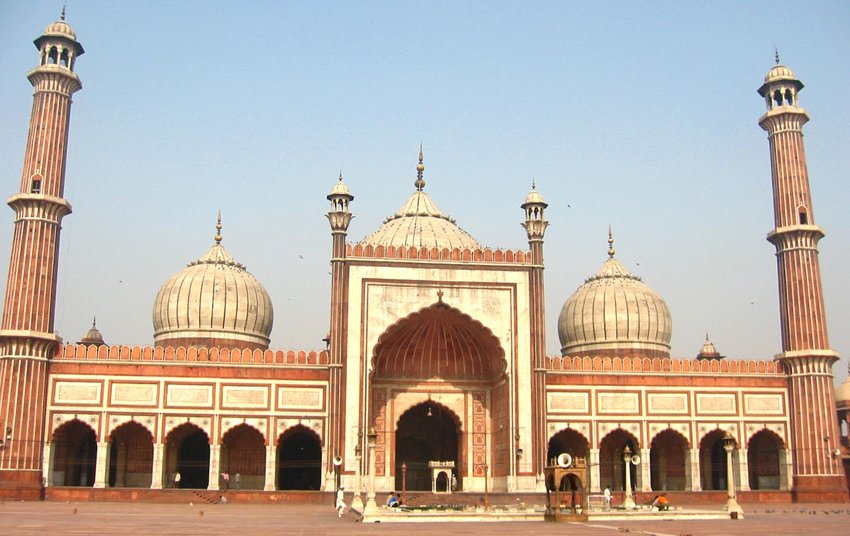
<point>435,357</point>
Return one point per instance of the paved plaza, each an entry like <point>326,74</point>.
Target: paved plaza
<point>314,520</point>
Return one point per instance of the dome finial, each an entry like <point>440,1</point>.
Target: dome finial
<point>218,229</point>
<point>776,54</point>
<point>533,184</point>
<point>94,322</point>
<point>62,16</point>
<point>610,242</point>
<point>420,169</point>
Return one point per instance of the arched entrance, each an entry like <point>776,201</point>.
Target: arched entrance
<point>75,455</point>
<point>243,456</point>
<point>299,465</point>
<point>612,469</point>
<point>667,456</point>
<point>441,350</point>
<point>764,460</point>
<point>188,449</point>
<point>130,456</point>
<point>426,432</point>
<point>712,461</point>
<point>569,441</point>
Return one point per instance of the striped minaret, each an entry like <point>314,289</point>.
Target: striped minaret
<point>27,340</point>
<point>806,356</point>
<point>535,225</point>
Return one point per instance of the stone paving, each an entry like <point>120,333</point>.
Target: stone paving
<point>31,518</point>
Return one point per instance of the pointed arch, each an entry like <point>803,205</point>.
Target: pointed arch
<point>567,440</point>
<point>299,459</point>
<point>438,341</point>
<point>667,461</point>
<point>188,453</point>
<point>765,460</point>
<point>243,456</point>
<point>425,432</point>
<point>130,456</point>
<point>75,454</point>
<point>611,465</point>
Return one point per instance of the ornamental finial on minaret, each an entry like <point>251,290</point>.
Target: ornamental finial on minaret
<point>610,242</point>
<point>218,229</point>
<point>420,170</point>
<point>776,54</point>
<point>62,16</point>
<point>339,215</point>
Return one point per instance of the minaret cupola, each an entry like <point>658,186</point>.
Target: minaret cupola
<point>535,222</point>
<point>339,215</point>
<point>58,45</point>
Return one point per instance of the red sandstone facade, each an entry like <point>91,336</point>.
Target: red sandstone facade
<point>431,336</point>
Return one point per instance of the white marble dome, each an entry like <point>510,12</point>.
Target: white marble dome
<point>419,223</point>
<point>615,313</point>
<point>213,302</point>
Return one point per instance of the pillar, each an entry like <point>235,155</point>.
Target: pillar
<point>645,477</point>
<point>693,476</point>
<point>47,471</point>
<point>214,455</point>
<point>157,466</point>
<point>271,468</point>
<point>743,470</point>
<point>102,465</point>
<point>595,477</point>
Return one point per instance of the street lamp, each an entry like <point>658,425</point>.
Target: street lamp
<point>357,501</point>
<point>372,439</point>
<point>732,506</point>
<point>403,481</point>
<point>628,501</point>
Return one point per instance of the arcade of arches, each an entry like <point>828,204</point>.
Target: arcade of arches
<point>673,466</point>
<point>295,464</point>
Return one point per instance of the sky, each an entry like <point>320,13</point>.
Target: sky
<point>641,115</point>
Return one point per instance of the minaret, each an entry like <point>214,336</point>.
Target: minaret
<point>806,356</point>
<point>535,225</point>
<point>339,217</point>
<point>27,340</point>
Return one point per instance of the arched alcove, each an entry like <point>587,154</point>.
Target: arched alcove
<point>130,456</point>
<point>75,454</point>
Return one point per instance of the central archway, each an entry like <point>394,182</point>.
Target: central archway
<point>426,432</point>
<point>188,450</point>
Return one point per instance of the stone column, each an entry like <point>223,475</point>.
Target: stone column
<point>693,478</point>
<point>214,451</point>
<point>121,466</point>
<point>645,475</point>
<point>47,461</point>
<point>731,503</point>
<point>157,466</point>
<point>743,470</point>
<point>786,468</point>
<point>628,500</point>
<point>102,464</point>
<point>595,485</point>
<point>271,468</point>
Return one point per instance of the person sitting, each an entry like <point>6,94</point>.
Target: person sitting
<point>392,500</point>
<point>663,504</point>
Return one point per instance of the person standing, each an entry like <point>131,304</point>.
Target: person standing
<point>607,496</point>
<point>237,481</point>
<point>177,479</point>
<point>225,477</point>
<point>340,501</point>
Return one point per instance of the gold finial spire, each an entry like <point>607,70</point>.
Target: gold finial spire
<point>610,242</point>
<point>218,229</point>
<point>420,170</point>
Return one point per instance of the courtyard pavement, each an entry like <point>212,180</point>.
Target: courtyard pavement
<point>305,519</point>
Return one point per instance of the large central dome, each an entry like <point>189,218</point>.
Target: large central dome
<point>615,314</point>
<point>419,223</point>
<point>213,302</point>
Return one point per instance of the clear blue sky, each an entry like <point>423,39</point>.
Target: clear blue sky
<point>638,114</point>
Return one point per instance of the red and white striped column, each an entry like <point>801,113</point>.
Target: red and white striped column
<point>27,340</point>
<point>806,356</point>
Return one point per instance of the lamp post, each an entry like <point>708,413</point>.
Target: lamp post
<point>732,506</point>
<point>403,481</point>
<point>357,501</point>
<point>372,439</point>
<point>628,501</point>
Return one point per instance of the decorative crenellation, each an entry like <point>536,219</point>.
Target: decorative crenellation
<point>485,255</point>
<point>618,365</point>
<point>191,355</point>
